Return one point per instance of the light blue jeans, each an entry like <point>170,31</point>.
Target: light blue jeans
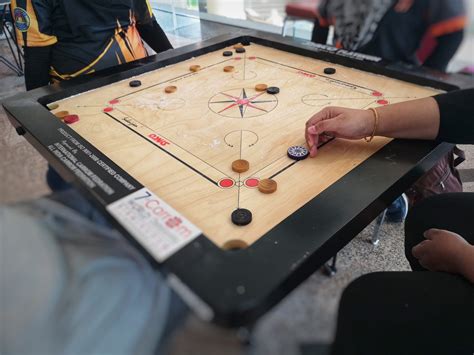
<point>70,284</point>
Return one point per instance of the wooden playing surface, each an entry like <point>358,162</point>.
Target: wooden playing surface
<point>181,145</point>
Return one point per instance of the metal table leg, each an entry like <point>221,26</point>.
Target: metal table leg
<point>10,37</point>
<point>330,268</point>
<point>378,224</point>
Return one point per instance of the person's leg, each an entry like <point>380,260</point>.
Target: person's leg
<point>452,212</point>
<point>55,181</point>
<point>72,198</point>
<point>398,210</point>
<point>75,287</point>
<point>406,313</point>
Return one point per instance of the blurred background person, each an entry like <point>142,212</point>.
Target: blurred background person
<point>427,32</point>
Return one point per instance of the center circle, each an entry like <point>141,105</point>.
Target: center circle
<point>242,103</point>
<point>317,100</point>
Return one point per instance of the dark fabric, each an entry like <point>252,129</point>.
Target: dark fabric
<point>456,116</point>
<point>320,33</point>
<point>355,22</point>
<point>154,36</point>
<point>89,35</point>
<point>102,15</point>
<point>440,179</point>
<point>55,182</point>
<point>399,35</point>
<point>37,61</point>
<point>418,312</point>
<point>440,11</point>
<point>446,47</point>
<point>95,20</point>
<point>452,212</point>
<point>84,29</point>
<point>406,313</point>
<point>43,14</point>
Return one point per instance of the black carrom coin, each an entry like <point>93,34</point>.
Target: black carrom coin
<point>135,83</point>
<point>329,71</point>
<point>273,90</point>
<point>241,217</point>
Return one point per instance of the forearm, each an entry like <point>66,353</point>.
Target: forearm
<point>154,36</point>
<point>417,119</point>
<point>446,117</point>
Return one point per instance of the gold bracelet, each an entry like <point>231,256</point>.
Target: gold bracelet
<point>376,123</point>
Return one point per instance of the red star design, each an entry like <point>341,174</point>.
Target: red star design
<point>242,102</point>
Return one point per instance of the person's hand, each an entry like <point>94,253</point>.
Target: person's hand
<point>442,251</point>
<point>403,5</point>
<point>338,122</point>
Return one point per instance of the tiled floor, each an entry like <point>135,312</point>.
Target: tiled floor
<point>306,315</point>
<point>22,169</point>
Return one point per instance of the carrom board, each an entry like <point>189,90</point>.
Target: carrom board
<point>159,164</point>
<point>181,145</point>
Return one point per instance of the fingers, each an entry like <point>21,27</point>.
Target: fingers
<point>325,114</point>
<point>320,115</point>
<point>424,254</point>
<point>315,133</point>
<point>419,250</point>
<point>309,139</point>
<point>313,149</point>
<point>321,123</point>
<point>431,233</point>
<point>438,234</point>
<point>331,126</point>
<point>441,251</point>
<point>312,145</point>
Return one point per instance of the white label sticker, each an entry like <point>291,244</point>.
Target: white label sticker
<point>153,223</point>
